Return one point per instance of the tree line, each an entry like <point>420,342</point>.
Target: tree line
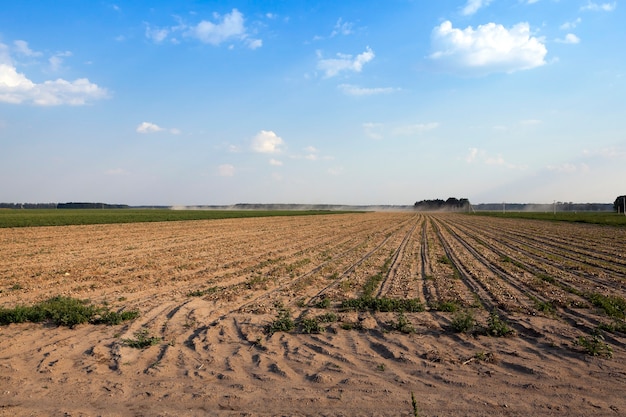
<point>451,204</point>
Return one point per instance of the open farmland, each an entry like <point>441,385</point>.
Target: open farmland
<point>474,315</point>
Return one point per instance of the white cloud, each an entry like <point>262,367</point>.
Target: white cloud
<point>56,60</point>
<point>229,27</point>
<point>570,25</point>
<point>415,129</point>
<point>568,168</point>
<point>276,162</point>
<point>156,35</point>
<point>342,28</point>
<point>16,88</point>
<point>254,43</point>
<point>471,156</point>
<point>596,7</point>
<point>606,153</point>
<point>482,156</point>
<point>344,62</point>
<point>530,122</point>
<point>22,48</point>
<point>267,141</point>
<point>226,170</point>
<point>353,90</point>
<point>373,130</point>
<point>311,149</point>
<point>488,48</point>
<point>147,127</point>
<point>472,6</point>
<point>570,38</point>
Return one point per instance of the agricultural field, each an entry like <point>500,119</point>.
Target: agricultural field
<point>67,217</point>
<point>338,314</point>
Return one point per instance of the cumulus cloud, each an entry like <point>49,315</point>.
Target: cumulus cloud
<point>147,127</point>
<point>276,162</point>
<point>570,38</point>
<point>597,7</point>
<point>487,49</point>
<point>472,6</point>
<point>333,66</point>
<point>226,170</point>
<point>227,27</point>
<point>267,141</point>
<point>17,88</point>
<point>223,28</point>
<point>353,90</point>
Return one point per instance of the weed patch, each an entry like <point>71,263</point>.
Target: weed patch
<point>65,311</point>
<point>142,340</point>
<point>595,345</point>
<point>283,323</point>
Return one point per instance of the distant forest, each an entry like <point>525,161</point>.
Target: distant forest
<point>451,204</point>
<point>62,206</point>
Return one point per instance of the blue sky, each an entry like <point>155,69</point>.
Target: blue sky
<point>339,102</point>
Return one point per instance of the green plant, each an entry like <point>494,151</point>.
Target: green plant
<point>402,324</point>
<point>64,311</point>
<point>323,303</point>
<point>311,326</point>
<point>283,323</point>
<point>383,304</point>
<point>449,306</point>
<point>595,346</point>
<point>463,321</point>
<point>327,318</point>
<point>414,404</point>
<point>142,340</point>
<point>496,326</point>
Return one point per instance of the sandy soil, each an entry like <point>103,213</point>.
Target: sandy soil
<point>215,358</point>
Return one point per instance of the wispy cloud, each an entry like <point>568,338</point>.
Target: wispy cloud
<point>570,25</point>
<point>342,28</point>
<point>473,6</point>
<point>344,63</point>
<point>568,168</point>
<point>22,48</point>
<point>373,130</point>
<point>476,155</point>
<point>487,49</point>
<point>599,7</point>
<point>414,129</point>
<point>378,131</point>
<point>354,90</point>
<point>226,170</point>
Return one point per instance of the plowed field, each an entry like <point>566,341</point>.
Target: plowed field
<point>209,290</point>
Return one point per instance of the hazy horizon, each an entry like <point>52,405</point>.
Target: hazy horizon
<point>348,103</point>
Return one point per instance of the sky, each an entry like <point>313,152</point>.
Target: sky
<point>327,102</point>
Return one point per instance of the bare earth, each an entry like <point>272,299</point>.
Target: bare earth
<point>214,357</point>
